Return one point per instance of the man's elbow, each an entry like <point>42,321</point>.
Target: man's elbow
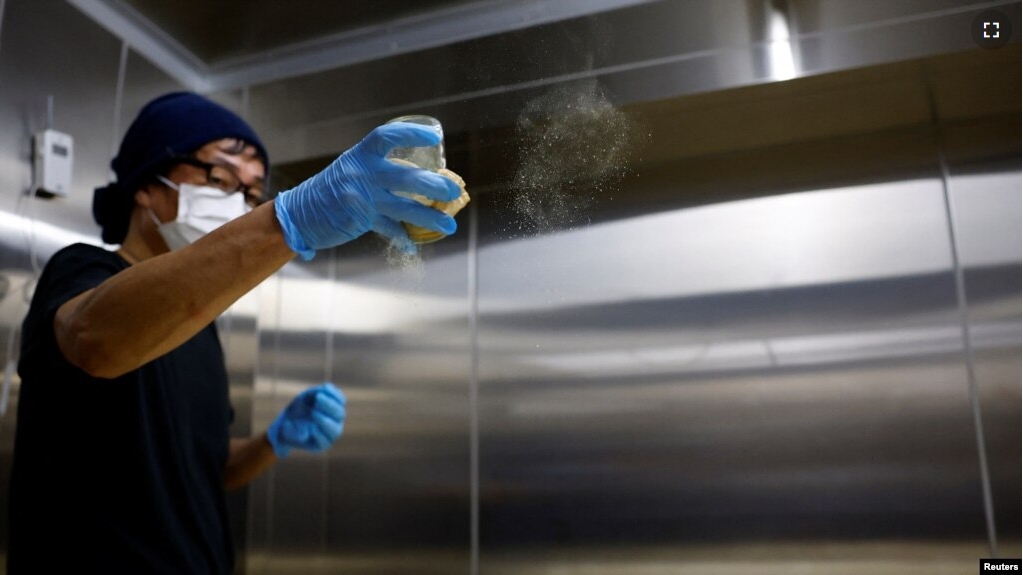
<point>86,350</point>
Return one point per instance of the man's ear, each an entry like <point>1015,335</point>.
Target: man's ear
<point>143,198</point>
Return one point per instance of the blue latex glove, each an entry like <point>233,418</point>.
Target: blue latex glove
<point>312,421</point>
<point>355,194</point>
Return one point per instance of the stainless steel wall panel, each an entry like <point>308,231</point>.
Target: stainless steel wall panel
<point>986,207</point>
<point>703,388</point>
<point>392,496</point>
<point>258,533</point>
<point>298,506</point>
<point>237,329</point>
<point>763,361</point>
<point>645,404</point>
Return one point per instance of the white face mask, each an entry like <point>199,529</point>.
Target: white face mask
<point>201,209</point>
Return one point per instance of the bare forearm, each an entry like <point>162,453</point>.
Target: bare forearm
<point>156,305</point>
<point>247,459</point>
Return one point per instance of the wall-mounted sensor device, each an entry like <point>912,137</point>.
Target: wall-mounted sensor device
<point>54,153</point>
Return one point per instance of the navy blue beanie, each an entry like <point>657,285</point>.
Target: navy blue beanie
<point>170,126</point>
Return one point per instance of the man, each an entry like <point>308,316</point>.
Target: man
<point>121,452</point>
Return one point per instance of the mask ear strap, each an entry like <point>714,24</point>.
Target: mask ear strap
<point>149,209</point>
<point>153,217</point>
<point>168,183</point>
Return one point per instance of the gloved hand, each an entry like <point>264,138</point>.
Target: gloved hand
<point>355,194</point>
<point>312,421</point>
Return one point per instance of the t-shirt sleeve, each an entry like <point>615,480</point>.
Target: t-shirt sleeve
<point>71,271</point>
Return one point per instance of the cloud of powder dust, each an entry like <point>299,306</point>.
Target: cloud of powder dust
<point>405,268</point>
<point>574,150</point>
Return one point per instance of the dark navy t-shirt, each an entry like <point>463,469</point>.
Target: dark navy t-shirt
<point>116,475</point>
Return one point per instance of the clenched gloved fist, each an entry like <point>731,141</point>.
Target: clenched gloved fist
<point>355,194</point>
<point>312,421</point>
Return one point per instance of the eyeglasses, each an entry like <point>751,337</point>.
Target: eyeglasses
<point>225,179</point>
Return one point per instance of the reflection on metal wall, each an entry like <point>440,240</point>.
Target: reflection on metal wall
<point>787,369</point>
<point>759,368</point>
